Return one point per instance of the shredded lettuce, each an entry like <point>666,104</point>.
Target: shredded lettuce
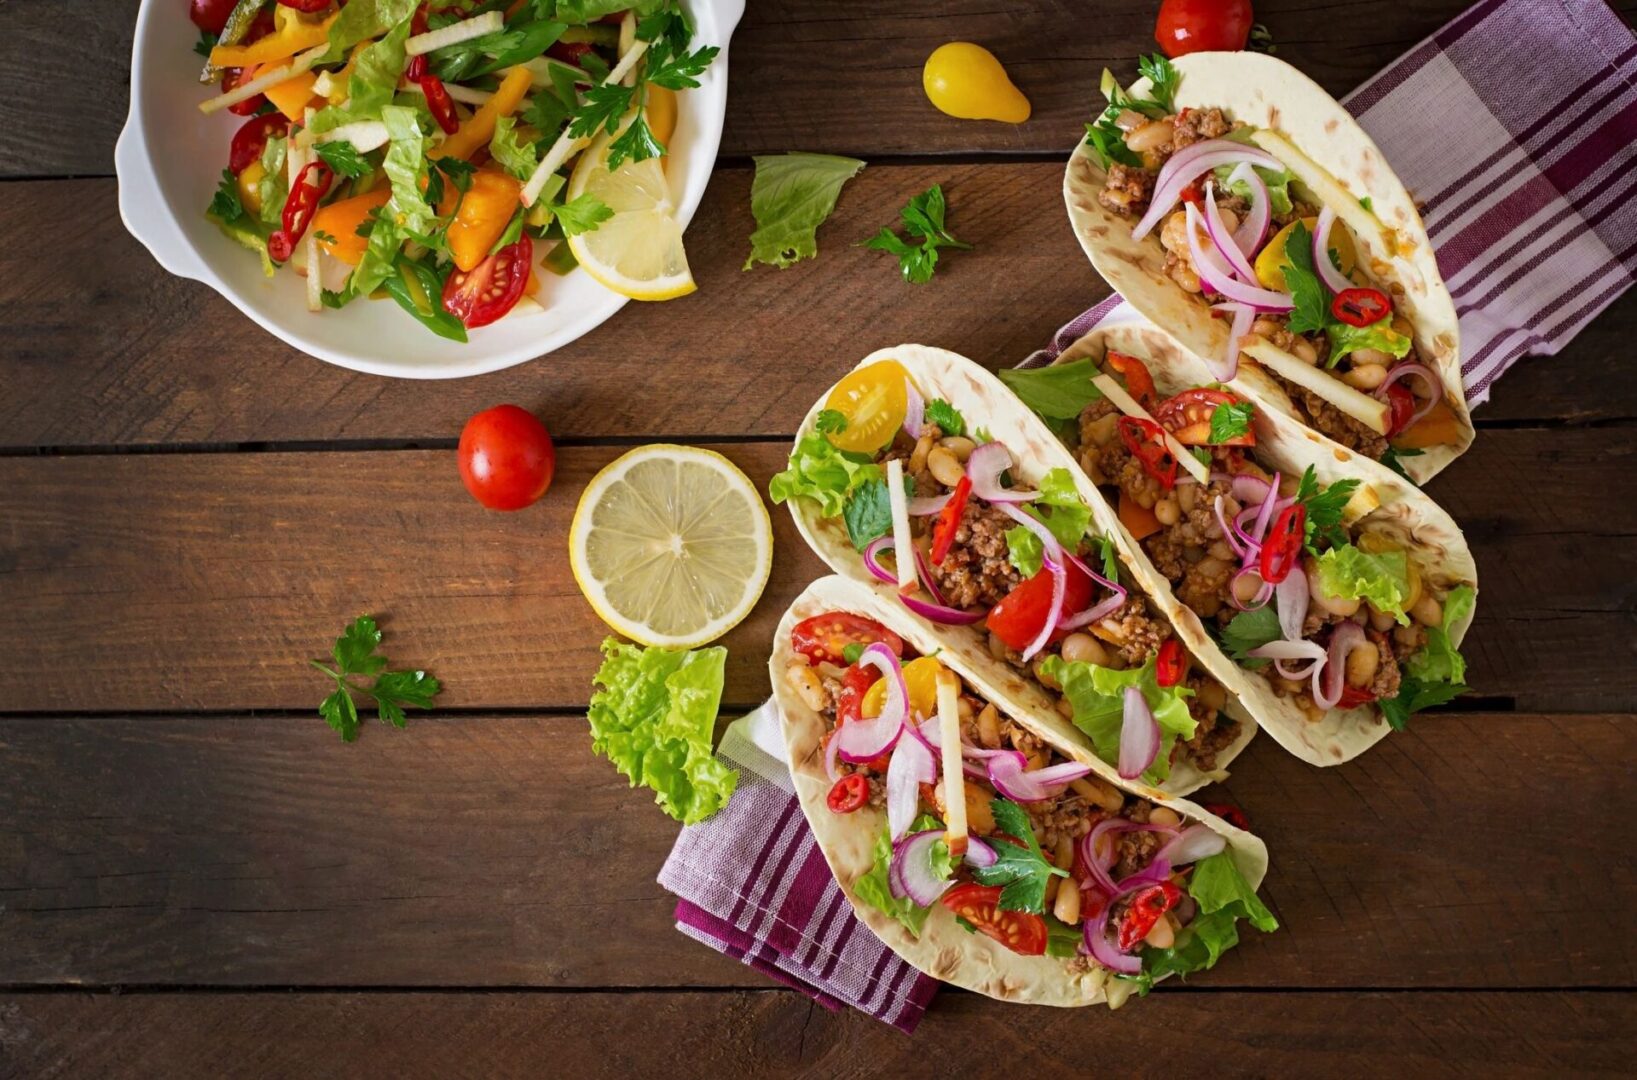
<point>372,84</point>
<point>1381,579</point>
<point>406,166</point>
<point>1344,338</point>
<point>513,154</point>
<point>820,472</point>
<point>790,197</point>
<point>1024,551</point>
<point>1060,508</point>
<point>274,186</point>
<point>1224,897</point>
<point>1439,661</point>
<point>377,262</point>
<point>361,20</point>
<point>1098,696</point>
<point>653,717</point>
<point>873,889</point>
<point>1278,183</point>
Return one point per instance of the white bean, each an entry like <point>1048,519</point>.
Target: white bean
<point>1151,136</point>
<point>1067,907</point>
<point>945,466</point>
<point>1364,376</point>
<point>807,685</point>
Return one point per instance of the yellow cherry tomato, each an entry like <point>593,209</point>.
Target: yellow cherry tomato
<point>920,678</point>
<point>966,81</point>
<point>250,186</point>
<point>873,401</point>
<point>485,211</point>
<point>1270,263</point>
<point>337,224</point>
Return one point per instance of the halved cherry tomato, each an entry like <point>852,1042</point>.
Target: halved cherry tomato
<point>824,638</point>
<point>251,139</point>
<point>949,520</point>
<point>570,52</point>
<point>1403,405</point>
<point>1352,697</point>
<point>484,295</point>
<point>1023,933</point>
<point>1187,416</point>
<point>1361,307</point>
<point>1170,663</point>
<point>1229,813</point>
<point>1282,549</point>
<point>849,793</point>
<point>920,680</point>
<point>1186,26</point>
<point>873,400</point>
<point>506,457</point>
<point>1021,613</point>
<point>1193,193</point>
<point>1145,910</point>
<point>231,78</point>
<point>211,15</point>
<point>1137,379</point>
<point>855,683</point>
<point>1144,439</point>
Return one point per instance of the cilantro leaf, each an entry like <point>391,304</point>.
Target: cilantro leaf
<point>582,214</point>
<point>1104,135</point>
<point>1110,555</point>
<point>354,650</point>
<point>1393,459</point>
<point>868,513</point>
<point>355,654</point>
<point>1107,141</point>
<point>830,422</point>
<point>682,71</point>
<point>1056,392</point>
<point>395,689</point>
<point>1312,306</point>
<point>1251,630</point>
<point>341,714</point>
<point>946,416</point>
<point>225,206</point>
<point>1231,421</point>
<point>343,158</point>
<point>790,197</point>
<point>206,42</point>
<point>1021,869</point>
<point>636,142</point>
<point>601,109</point>
<point>1415,695</point>
<point>1325,505</point>
<point>923,218</point>
<point>1164,76</point>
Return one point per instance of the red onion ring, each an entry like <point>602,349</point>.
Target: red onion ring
<point>1096,865</point>
<point>1346,637</point>
<point>1282,650</point>
<point>1226,366</point>
<point>1229,533</point>
<point>1333,279</point>
<point>980,852</point>
<point>984,467</point>
<point>865,740</point>
<point>1254,229</point>
<point>1264,591</point>
<point>830,768</point>
<point>1053,559</point>
<point>872,555</point>
<point>1411,369</point>
<point>915,410</point>
<point>911,766</point>
<point>930,504</point>
<point>1182,167</point>
<point>911,872</point>
<point>941,614</point>
<point>1104,951</point>
<point>1139,735</point>
<point>1217,230</point>
<point>934,610</point>
<point>1194,843</point>
<point>1216,277</point>
<point>1009,773</point>
<point>1292,594</point>
<point>1099,610</point>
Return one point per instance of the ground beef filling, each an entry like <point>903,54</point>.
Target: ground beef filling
<point>976,572</point>
<point>1334,424</point>
<point>1127,189</point>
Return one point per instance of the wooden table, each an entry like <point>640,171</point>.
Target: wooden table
<point>198,878</point>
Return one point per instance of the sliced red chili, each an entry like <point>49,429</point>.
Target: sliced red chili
<point>1282,548</point>
<point>570,52</point>
<point>1145,910</point>
<point>310,186</point>
<point>850,793</point>
<point>437,96</point>
<point>1229,813</point>
<point>1146,441</point>
<point>1169,664</point>
<point>1403,405</point>
<point>1361,307</point>
<point>1352,697</point>
<point>949,520</point>
<point>1137,379</point>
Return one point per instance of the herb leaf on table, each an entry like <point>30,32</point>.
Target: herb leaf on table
<point>924,220</point>
<point>355,653</point>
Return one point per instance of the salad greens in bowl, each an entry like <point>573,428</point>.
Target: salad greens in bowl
<point>424,188</point>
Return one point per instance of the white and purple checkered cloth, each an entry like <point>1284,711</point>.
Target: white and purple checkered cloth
<point>1516,127</point>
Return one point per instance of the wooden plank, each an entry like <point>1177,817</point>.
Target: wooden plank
<point>202,581</point>
<point>105,349</point>
<point>1475,851</point>
<point>746,1036</point>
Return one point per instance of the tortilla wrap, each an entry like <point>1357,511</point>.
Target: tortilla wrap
<point>944,950</point>
<point>986,403</point>
<point>1337,164</point>
<point>1429,536</point>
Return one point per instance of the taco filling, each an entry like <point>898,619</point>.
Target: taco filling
<point>1020,843</point>
<point>1247,238</point>
<point>1025,568</point>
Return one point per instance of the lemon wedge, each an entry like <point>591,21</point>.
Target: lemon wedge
<point>671,545</point>
<point>638,252</point>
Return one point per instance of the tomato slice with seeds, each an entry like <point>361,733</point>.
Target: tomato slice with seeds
<point>485,294</point>
<point>1021,613</point>
<point>1187,416</point>
<point>873,401</point>
<point>1023,933</point>
<point>824,638</point>
<point>850,793</point>
<point>251,139</point>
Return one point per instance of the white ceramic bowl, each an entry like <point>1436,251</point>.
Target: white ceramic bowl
<point>170,157</point>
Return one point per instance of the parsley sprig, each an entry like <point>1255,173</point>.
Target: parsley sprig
<point>1020,868</point>
<point>356,656</point>
<point>924,219</point>
<point>1104,136</point>
<point>1325,504</point>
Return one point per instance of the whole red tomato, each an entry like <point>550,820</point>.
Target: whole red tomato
<point>210,15</point>
<point>1187,26</point>
<point>506,457</point>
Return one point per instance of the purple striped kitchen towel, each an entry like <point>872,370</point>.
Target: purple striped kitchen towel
<point>751,883</point>
<point>1515,126</point>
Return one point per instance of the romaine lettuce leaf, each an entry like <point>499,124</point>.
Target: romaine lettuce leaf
<point>372,84</point>
<point>1224,897</point>
<point>406,166</point>
<point>820,472</point>
<point>1098,696</point>
<point>1278,186</point>
<point>1344,338</point>
<point>1060,508</point>
<point>790,197</point>
<point>1382,579</point>
<point>513,154</point>
<point>361,20</point>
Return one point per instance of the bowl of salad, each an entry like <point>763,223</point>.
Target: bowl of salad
<point>424,188</point>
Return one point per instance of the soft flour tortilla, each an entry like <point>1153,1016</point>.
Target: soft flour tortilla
<point>944,950</point>
<point>1337,164</point>
<point>1430,537</point>
<point>986,403</point>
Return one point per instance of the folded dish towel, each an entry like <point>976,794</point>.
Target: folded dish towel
<point>1515,127</point>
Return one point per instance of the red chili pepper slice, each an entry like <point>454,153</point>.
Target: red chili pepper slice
<point>1403,405</point>
<point>1145,910</point>
<point>1146,441</point>
<point>1193,193</point>
<point>1352,697</point>
<point>1168,665</point>
<point>1229,813</point>
<point>437,97</point>
<point>311,184</point>
<point>850,793</point>
<point>1361,307</point>
<point>949,520</point>
<point>1137,378</point>
<point>569,52</point>
<point>251,138</point>
<point>1282,548</point>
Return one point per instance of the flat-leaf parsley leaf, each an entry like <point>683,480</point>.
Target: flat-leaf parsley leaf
<point>355,655</point>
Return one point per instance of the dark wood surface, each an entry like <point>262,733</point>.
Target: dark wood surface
<point>197,878</point>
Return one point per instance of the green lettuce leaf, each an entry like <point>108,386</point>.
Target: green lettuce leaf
<point>1098,696</point>
<point>378,260</point>
<point>1439,661</point>
<point>1024,551</point>
<point>1278,183</point>
<point>1224,897</point>
<point>274,186</point>
<point>653,717</point>
<point>790,198</point>
<point>820,472</point>
<point>406,166</point>
<point>1057,392</point>
<point>1060,508</point>
<point>364,19</point>
<point>1344,338</point>
<point>873,889</point>
<point>372,84</point>
<point>1383,580</point>
<point>511,153</point>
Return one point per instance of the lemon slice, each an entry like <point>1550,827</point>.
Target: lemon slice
<point>638,252</point>
<point>671,545</point>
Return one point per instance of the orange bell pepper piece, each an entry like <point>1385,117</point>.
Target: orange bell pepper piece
<point>1138,519</point>
<point>292,96</point>
<point>474,135</point>
<point>292,34</point>
<point>1438,428</point>
<point>338,223</point>
<point>485,211</point>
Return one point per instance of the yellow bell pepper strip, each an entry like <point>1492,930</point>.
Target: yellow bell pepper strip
<point>292,96</point>
<point>485,211</point>
<point>1438,428</point>
<point>336,225</point>
<point>474,135</point>
<point>291,35</point>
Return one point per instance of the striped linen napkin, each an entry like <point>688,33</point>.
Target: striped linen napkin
<point>1515,127</point>
<point>752,883</point>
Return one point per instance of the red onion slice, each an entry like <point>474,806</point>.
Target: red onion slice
<point>1264,591</point>
<point>1249,489</point>
<point>984,467</point>
<point>1329,681</point>
<point>1097,864</point>
<point>831,745</point>
<point>1182,167</point>
<point>1052,557</point>
<point>1409,369</point>
<point>940,613</point>
<point>1226,366</point>
<point>1292,595</point>
<point>934,610</point>
<point>911,874</point>
<point>1281,651</point>
<point>930,504</point>
<point>1139,735</point>
<point>980,853</point>
<point>1010,775</point>
<point>1229,533</point>
<point>865,740</point>
<point>872,559</point>
<point>1265,516</point>
<point>1194,843</point>
<point>1217,230</point>
<point>1215,276</point>
<point>911,766</point>
<point>927,582</point>
<point>915,410</point>
<point>1254,229</point>
<point>1104,951</point>
<point>1333,279</point>
<point>1100,610</point>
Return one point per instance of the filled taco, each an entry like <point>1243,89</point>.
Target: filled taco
<point>1340,590</point>
<point>984,847</point>
<point>920,474</point>
<point>1239,207</point>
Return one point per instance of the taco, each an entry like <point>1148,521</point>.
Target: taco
<point>1239,207</point>
<point>1339,588</point>
<point>981,845</point>
<point>920,474</point>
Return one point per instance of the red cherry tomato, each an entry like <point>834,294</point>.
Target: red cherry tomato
<point>1169,665</point>
<point>251,139</point>
<point>1021,613</point>
<point>1187,26</point>
<point>1352,697</point>
<point>231,78</point>
<point>485,294</point>
<point>1229,813</point>
<point>850,793</point>
<point>211,15</point>
<point>506,457</point>
<point>1403,405</point>
<point>824,638</point>
<point>979,905</point>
